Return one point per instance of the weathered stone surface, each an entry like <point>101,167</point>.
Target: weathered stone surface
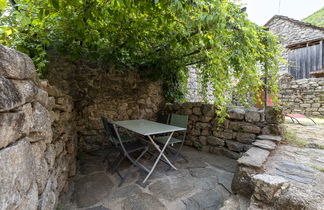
<point>202,172</point>
<point>15,65</point>
<point>299,198</point>
<point>14,125</point>
<point>215,141</point>
<point>143,201</point>
<point>252,116</point>
<point>9,97</point>
<point>41,128</point>
<point>225,178</point>
<point>246,138</point>
<point>41,165</point>
<point>254,157</point>
<point>270,137</point>
<point>235,146</point>
<point>48,199</point>
<point>294,171</point>
<point>16,176</point>
<point>91,189</point>
<point>236,113</point>
<point>27,89</point>
<point>171,189</point>
<point>250,128</point>
<point>274,115</point>
<point>211,199</point>
<point>42,97</point>
<point>265,144</point>
<point>266,186</point>
<point>242,182</point>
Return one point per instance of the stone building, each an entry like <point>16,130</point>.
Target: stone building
<point>302,46</point>
<point>303,50</point>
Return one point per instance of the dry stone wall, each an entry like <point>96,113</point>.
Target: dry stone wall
<point>233,137</point>
<point>100,92</point>
<point>37,138</point>
<point>305,96</point>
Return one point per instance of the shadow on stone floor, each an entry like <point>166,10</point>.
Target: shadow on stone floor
<point>202,183</point>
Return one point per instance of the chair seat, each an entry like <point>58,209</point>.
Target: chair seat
<point>163,140</point>
<point>134,146</point>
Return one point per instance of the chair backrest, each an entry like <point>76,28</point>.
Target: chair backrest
<point>179,120</point>
<point>110,130</point>
<point>163,118</point>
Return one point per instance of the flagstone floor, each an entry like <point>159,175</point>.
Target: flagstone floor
<point>202,183</point>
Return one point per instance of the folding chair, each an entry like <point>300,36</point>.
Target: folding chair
<point>180,121</point>
<point>125,147</point>
<point>163,118</point>
<point>294,117</point>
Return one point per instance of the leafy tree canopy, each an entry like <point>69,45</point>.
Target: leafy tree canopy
<point>158,38</point>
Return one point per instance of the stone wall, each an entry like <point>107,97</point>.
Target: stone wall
<point>37,139</point>
<point>290,32</point>
<point>305,96</point>
<point>100,92</point>
<point>194,88</point>
<point>231,138</point>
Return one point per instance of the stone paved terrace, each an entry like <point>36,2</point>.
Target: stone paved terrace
<point>203,183</point>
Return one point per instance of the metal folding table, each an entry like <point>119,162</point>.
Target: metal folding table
<point>149,128</point>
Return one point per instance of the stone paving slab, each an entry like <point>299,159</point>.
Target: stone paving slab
<point>254,157</point>
<point>265,144</point>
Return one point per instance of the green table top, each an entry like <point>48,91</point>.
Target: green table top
<point>146,127</point>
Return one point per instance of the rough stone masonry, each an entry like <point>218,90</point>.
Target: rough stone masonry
<point>37,138</point>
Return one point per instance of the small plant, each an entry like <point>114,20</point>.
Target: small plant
<point>318,168</point>
<point>319,147</point>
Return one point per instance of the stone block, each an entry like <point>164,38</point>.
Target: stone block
<point>270,137</point>
<point>215,141</point>
<point>15,65</point>
<point>236,113</point>
<point>14,125</point>
<point>234,146</point>
<point>17,176</point>
<point>207,110</point>
<point>265,144</point>
<point>274,115</point>
<point>252,116</point>
<point>246,138</point>
<point>10,96</point>
<point>266,186</point>
<point>203,140</point>
<point>196,111</point>
<point>41,124</point>
<point>251,128</point>
<point>224,134</point>
<point>254,157</point>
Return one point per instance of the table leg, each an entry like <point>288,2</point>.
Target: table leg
<point>161,154</point>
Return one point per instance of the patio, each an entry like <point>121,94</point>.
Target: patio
<point>202,183</point>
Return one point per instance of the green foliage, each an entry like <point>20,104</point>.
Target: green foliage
<point>316,18</point>
<point>158,38</point>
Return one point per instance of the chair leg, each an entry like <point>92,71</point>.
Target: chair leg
<point>128,170</point>
<point>118,161</point>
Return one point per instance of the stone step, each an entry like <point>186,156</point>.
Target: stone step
<point>270,137</point>
<point>254,157</point>
<point>265,144</point>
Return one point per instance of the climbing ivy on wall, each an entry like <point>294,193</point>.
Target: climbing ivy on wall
<point>160,39</point>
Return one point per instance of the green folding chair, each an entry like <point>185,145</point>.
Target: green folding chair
<point>179,121</point>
